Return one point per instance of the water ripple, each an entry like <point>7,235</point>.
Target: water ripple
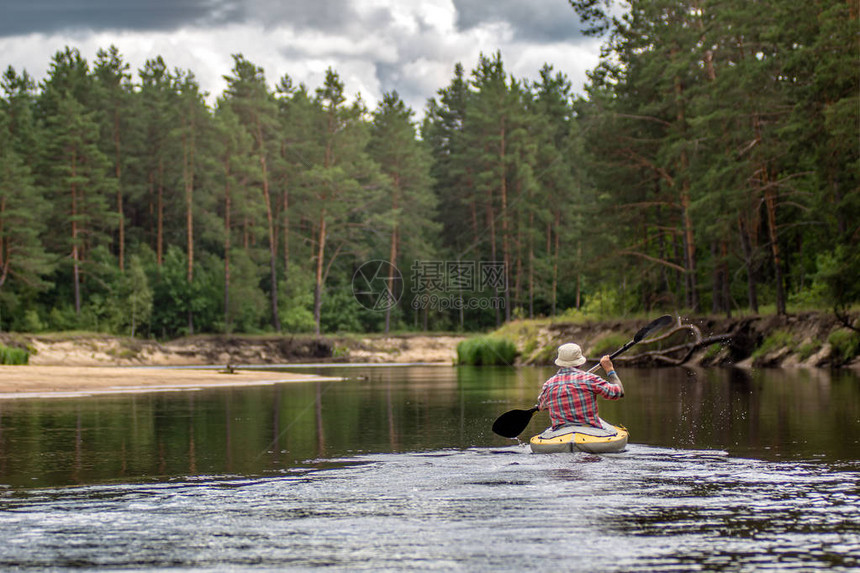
<point>478,509</point>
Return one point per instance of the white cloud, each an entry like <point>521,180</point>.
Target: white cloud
<point>384,45</point>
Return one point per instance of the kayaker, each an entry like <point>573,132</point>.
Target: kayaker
<point>570,396</point>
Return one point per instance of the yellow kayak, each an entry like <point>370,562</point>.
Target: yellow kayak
<point>580,438</point>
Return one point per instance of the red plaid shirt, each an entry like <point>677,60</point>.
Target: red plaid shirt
<point>571,397</point>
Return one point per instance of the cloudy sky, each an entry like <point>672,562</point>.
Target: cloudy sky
<point>375,46</point>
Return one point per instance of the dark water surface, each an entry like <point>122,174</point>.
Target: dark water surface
<point>396,469</point>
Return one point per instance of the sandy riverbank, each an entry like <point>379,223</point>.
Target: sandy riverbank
<point>104,350</point>
<point>18,382</point>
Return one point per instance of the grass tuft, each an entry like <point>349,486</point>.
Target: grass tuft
<point>486,351</point>
<point>846,345</point>
<point>13,356</point>
<point>777,339</point>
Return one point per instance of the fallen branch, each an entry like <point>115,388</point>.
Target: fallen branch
<point>687,349</point>
<point>843,316</point>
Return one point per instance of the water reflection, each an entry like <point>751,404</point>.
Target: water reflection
<point>474,509</point>
<point>270,430</point>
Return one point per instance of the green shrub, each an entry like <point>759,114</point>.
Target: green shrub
<point>486,351</point>
<point>846,345</point>
<point>530,347</point>
<point>545,355</point>
<point>31,322</point>
<point>776,339</point>
<point>713,350</point>
<point>608,344</point>
<point>13,355</point>
<point>340,352</point>
<point>808,349</point>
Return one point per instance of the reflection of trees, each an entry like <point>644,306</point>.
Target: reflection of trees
<point>192,453</point>
<point>319,420</point>
<point>744,405</point>
<point>276,422</point>
<point>4,454</point>
<point>393,442</point>
<point>251,430</point>
<point>228,435</point>
<point>79,443</point>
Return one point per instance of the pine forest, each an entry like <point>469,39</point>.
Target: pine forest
<point>710,166</point>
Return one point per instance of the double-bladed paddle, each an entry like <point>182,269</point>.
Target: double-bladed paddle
<point>512,423</point>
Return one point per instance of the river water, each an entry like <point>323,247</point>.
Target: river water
<point>396,469</point>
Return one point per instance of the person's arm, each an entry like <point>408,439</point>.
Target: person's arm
<point>606,364</point>
<point>540,398</point>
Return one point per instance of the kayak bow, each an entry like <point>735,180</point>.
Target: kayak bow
<point>580,438</point>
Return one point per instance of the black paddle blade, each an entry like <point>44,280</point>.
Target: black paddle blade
<point>511,424</point>
<point>656,324</point>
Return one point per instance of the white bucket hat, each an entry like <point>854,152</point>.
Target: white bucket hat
<point>570,355</point>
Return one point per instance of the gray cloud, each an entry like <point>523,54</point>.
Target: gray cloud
<point>19,17</point>
<point>538,21</point>
<point>321,15</point>
<point>411,48</point>
<point>542,21</point>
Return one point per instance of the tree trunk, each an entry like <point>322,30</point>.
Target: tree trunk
<point>76,271</point>
<point>286,201</point>
<point>4,253</point>
<point>578,276</point>
<point>473,210</point>
<point>716,287</point>
<point>188,177</point>
<point>392,255</point>
<point>506,249</point>
<point>724,265</point>
<point>555,264</point>
<point>491,223</point>
<point>319,274</point>
<point>770,203</point>
<point>227,207</point>
<point>692,296</point>
<point>531,262</point>
<point>273,240</point>
<point>746,246</point>
<point>159,208</point>
<point>720,297</point>
<point>119,206</point>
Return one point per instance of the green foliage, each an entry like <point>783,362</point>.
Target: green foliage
<point>340,352</point>
<point>837,276</point>
<point>297,306</point>
<point>777,339</point>
<point>185,308</point>
<point>248,308</point>
<point>711,126</point>
<point>713,350</point>
<point>807,349</point>
<point>137,295</point>
<point>13,355</point>
<point>340,311</point>
<point>608,344</point>
<point>31,322</point>
<point>486,351</point>
<point>685,178</point>
<point>63,318</point>
<point>545,355</point>
<point>607,301</point>
<point>846,345</point>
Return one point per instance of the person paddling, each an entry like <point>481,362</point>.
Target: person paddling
<point>570,396</point>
